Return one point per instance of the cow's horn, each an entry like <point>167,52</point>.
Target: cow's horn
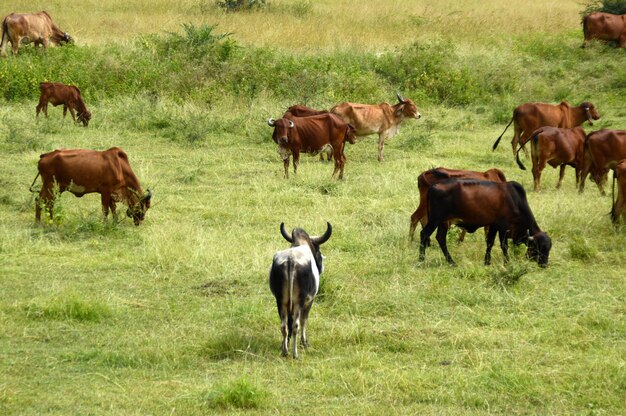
<point>322,239</point>
<point>589,118</point>
<point>284,233</point>
<point>147,196</point>
<point>528,236</point>
<point>291,124</point>
<point>271,122</point>
<point>400,98</point>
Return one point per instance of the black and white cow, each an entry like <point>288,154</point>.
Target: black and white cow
<point>294,281</point>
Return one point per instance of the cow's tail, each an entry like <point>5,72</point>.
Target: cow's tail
<point>498,139</point>
<point>613,210</point>
<point>33,184</point>
<point>533,139</point>
<point>291,276</point>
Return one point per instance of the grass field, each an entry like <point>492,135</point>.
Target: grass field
<point>175,316</point>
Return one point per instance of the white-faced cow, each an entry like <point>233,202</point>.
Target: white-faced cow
<point>68,95</point>
<point>294,280</point>
<point>556,147</point>
<point>603,150</point>
<point>82,172</point>
<point>37,28</point>
<point>618,210</point>
<point>474,204</point>
<point>312,135</point>
<point>382,119</point>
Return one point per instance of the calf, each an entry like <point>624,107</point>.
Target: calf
<point>556,147</point>
<point>619,207</point>
<point>474,204</point>
<point>68,95</point>
<point>603,149</point>
<point>294,280</point>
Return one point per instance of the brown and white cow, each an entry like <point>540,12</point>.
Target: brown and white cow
<point>432,176</point>
<point>606,27</point>
<point>619,207</point>
<point>82,172</point>
<point>37,28</point>
<point>295,135</point>
<point>603,149</point>
<point>68,95</point>
<point>299,110</point>
<point>529,117</point>
<point>382,119</point>
<point>556,147</point>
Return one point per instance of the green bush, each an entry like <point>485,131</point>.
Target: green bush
<point>606,6</point>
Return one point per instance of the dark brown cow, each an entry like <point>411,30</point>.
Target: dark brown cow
<point>556,147</point>
<point>295,135</point>
<point>82,172</point>
<point>432,176</point>
<point>68,95</point>
<point>619,207</point>
<point>530,116</point>
<point>474,204</point>
<point>382,119</point>
<point>304,111</point>
<point>603,149</point>
<point>606,27</point>
<point>37,28</point>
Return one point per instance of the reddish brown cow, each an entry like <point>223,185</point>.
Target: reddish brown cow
<point>82,172</point>
<point>68,95</point>
<point>382,119</point>
<point>556,147</point>
<point>37,28</point>
<point>304,111</point>
<point>606,27</point>
<point>530,116</point>
<point>432,176</point>
<point>295,135</point>
<point>603,149</point>
<point>619,207</point>
<point>471,204</point>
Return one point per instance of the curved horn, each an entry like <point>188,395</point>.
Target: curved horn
<point>291,124</point>
<point>270,122</point>
<point>400,97</point>
<point>147,196</point>
<point>322,239</point>
<point>284,233</point>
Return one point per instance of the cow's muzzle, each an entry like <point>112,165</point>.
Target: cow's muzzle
<point>283,140</point>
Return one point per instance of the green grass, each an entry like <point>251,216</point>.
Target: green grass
<point>175,316</point>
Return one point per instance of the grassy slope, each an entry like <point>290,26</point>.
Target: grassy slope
<point>166,317</point>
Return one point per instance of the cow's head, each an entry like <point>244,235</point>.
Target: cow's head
<point>281,130</point>
<point>67,38</point>
<point>84,117</point>
<point>351,134</point>
<point>300,237</point>
<point>406,108</point>
<point>590,112</point>
<point>539,246</point>
<point>137,210</point>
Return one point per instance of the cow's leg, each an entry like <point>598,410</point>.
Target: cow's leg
<point>381,146</point>
<point>295,327</point>
<point>415,218</point>
<point>283,313</point>
<point>305,317</point>
<point>561,175</point>
<point>425,237</point>
<point>340,160</point>
<point>296,161</point>
<point>462,236</point>
<point>537,169</point>
<point>587,165</point>
<point>600,177</point>
<point>491,237</point>
<point>442,233</point>
<point>40,106</point>
<point>72,113</point>
<point>286,167</point>
<point>106,204</point>
<point>504,244</point>
<point>45,198</point>
<point>516,137</point>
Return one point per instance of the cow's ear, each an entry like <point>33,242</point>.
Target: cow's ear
<point>399,110</point>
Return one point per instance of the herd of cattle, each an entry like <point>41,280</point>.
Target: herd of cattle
<point>468,199</point>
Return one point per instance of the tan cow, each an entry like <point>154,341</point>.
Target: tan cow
<point>37,28</point>
<point>382,119</point>
<point>606,27</point>
<point>619,207</point>
<point>603,149</point>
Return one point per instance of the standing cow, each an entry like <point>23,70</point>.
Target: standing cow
<point>619,206</point>
<point>68,95</point>
<point>556,147</point>
<point>603,149</point>
<point>294,281</point>
<point>606,27</point>
<point>299,110</point>
<point>530,116</point>
<point>37,28</point>
<point>82,172</point>
<point>382,119</point>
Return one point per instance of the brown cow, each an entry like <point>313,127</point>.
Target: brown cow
<point>472,204</point>
<point>556,147</point>
<point>603,149</point>
<point>382,119</point>
<point>619,207</point>
<point>82,172</point>
<point>311,135</point>
<point>530,116</point>
<point>68,95</point>
<point>37,28</point>
<point>606,27</point>
<point>432,176</point>
<point>304,111</point>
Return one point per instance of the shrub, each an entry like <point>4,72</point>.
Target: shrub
<point>606,6</point>
<point>238,5</point>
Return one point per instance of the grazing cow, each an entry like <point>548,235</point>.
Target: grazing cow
<point>619,207</point>
<point>294,280</point>
<point>311,135</point>
<point>474,204</point>
<point>556,147</point>
<point>432,176</point>
<point>382,119</point>
<point>606,27</point>
<point>530,116</point>
<point>30,27</point>
<point>86,171</point>
<point>603,149</point>
<point>68,95</point>
<point>304,111</point>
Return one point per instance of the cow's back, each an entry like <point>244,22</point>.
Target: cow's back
<point>365,118</point>
<point>318,130</point>
<point>604,26</point>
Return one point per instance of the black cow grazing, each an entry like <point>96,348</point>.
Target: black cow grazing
<point>294,281</point>
<point>474,204</point>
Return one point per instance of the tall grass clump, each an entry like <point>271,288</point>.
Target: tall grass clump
<point>237,394</point>
<point>69,307</point>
